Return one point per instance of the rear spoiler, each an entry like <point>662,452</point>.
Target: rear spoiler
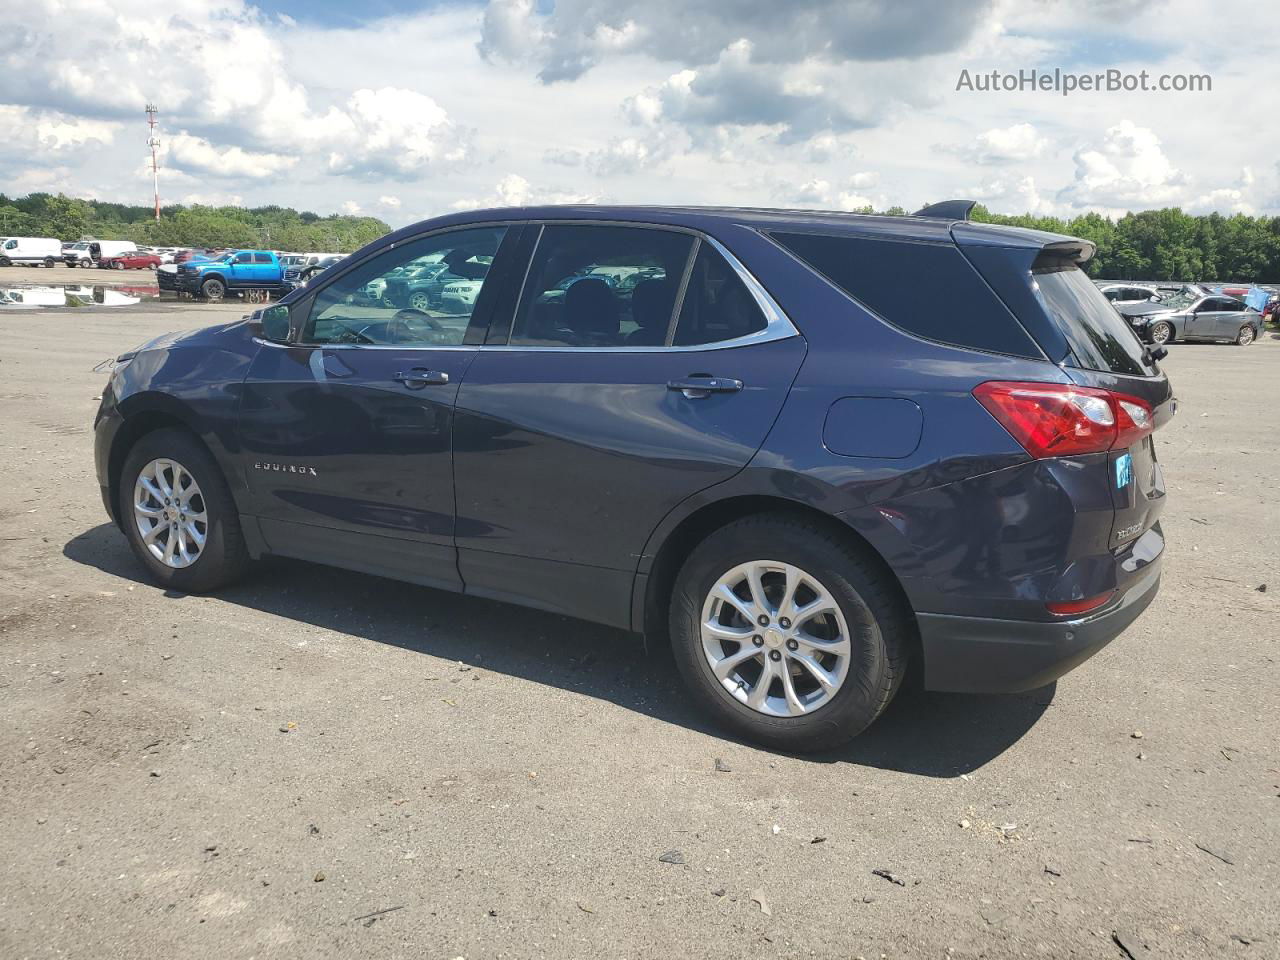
<point>947,210</point>
<point>1075,250</point>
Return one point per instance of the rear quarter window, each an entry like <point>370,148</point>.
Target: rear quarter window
<point>927,289</point>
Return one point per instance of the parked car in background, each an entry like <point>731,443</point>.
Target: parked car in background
<point>1195,313</point>
<point>1122,294</point>
<point>135,260</point>
<point>234,271</point>
<point>32,251</point>
<point>87,253</point>
<point>799,476</point>
<point>318,266</point>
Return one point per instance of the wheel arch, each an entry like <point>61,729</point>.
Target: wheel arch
<point>653,590</point>
<point>144,416</point>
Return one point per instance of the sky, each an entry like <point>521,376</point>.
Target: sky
<point>405,109</point>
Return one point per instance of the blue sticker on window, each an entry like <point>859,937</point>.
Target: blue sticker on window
<point>1124,470</point>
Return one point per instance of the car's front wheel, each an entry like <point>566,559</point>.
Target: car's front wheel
<point>178,513</point>
<point>1244,336</point>
<point>213,289</point>
<point>1161,333</point>
<point>787,633</point>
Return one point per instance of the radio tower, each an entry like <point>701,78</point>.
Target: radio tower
<point>153,141</point>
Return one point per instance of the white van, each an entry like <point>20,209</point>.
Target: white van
<point>30,250</point>
<point>77,254</point>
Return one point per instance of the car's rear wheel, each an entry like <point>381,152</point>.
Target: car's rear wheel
<point>213,289</point>
<point>1244,336</point>
<point>1161,332</point>
<point>178,513</point>
<point>49,262</point>
<point>420,301</point>
<point>787,633</point>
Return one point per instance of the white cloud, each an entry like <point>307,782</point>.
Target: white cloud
<point>391,203</point>
<point>26,128</point>
<point>1015,144</point>
<point>514,190</point>
<point>393,133</point>
<point>1009,194</point>
<point>196,155</point>
<point>350,208</point>
<point>1127,170</point>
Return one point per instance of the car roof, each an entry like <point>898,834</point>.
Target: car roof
<point>938,230</point>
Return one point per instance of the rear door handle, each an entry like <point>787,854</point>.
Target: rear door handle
<point>695,388</point>
<point>420,377</point>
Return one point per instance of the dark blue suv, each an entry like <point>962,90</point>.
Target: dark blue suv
<point>808,449</point>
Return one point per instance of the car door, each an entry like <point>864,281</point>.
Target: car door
<point>346,431</point>
<point>597,409</point>
<point>1204,320</point>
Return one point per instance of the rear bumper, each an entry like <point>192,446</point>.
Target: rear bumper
<point>987,655</point>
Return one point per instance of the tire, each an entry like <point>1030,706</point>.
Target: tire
<point>117,265</point>
<point>5,262</point>
<point>1245,336</point>
<point>872,617</point>
<point>213,289</point>
<point>420,301</point>
<point>223,558</point>
<point>86,263</point>
<point>1161,333</point>
<point>48,262</point>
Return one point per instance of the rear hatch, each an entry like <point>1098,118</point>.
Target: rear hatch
<point>1084,334</point>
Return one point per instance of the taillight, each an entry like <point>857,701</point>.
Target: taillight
<point>1059,420</point>
<point>1068,608</point>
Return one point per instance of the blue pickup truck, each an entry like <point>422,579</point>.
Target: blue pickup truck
<point>235,271</point>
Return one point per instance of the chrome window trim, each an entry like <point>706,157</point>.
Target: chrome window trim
<point>778,325</point>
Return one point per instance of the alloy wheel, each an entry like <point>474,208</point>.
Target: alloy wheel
<point>170,513</point>
<point>420,301</point>
<point>1245,336</point>
<point>1160,333</point>
<point>775,638</point>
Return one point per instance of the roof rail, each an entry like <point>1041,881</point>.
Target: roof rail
<point>947,210</point>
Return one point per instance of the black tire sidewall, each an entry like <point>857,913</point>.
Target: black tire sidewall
<point>213,289</point>
<point>223,557</point>
<point>864,598</point>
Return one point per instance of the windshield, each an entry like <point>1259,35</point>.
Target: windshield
<point>1099,337</point>
<point>1183,298</point>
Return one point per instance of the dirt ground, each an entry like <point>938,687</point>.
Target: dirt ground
<point>318,763</point>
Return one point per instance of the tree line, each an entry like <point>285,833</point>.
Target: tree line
<point>270,227</point>
<point>1149,245</point>
<point>1165,244</point>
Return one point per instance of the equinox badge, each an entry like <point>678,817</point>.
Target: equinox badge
<point>285,468</point>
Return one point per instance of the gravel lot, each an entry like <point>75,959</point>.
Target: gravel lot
<point>264,772</point>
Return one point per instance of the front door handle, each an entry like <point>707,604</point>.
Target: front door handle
<point>420,377</point>
<point>695,388</point>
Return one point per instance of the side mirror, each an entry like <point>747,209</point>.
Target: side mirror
<point>273,322</point>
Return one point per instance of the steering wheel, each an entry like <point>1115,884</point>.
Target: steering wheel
<point>351,335</point>
<point>403,324</point>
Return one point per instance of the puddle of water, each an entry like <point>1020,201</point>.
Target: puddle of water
<point>76,295</point>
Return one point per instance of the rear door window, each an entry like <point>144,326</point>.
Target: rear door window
<point>601,286</point>
<point>1098,335</point>
<point>927,289</point>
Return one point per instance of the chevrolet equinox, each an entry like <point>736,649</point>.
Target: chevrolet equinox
<point>807,449</point>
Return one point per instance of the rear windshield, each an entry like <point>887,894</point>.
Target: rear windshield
<point>1100,338</point>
